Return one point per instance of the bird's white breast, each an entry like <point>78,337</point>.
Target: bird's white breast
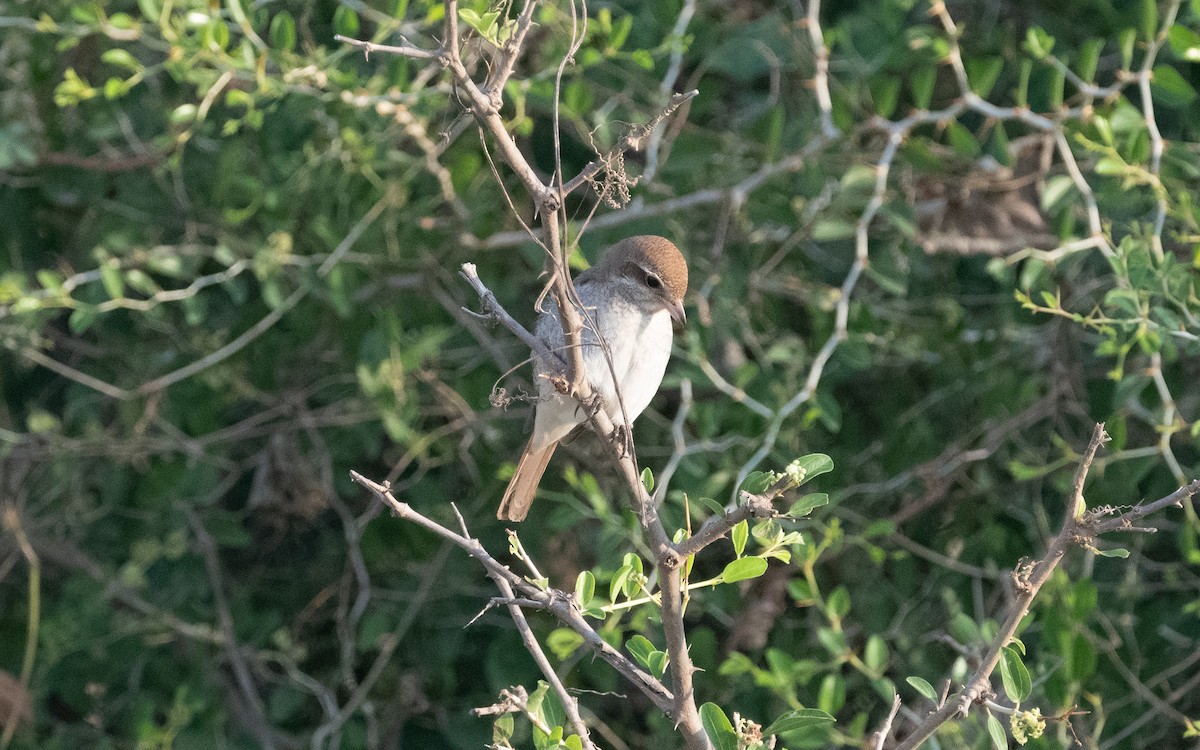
<point>638,347</point>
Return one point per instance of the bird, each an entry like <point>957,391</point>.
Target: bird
<point>631,300</point>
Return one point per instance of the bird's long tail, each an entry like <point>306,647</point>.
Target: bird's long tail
<point>521,489</point>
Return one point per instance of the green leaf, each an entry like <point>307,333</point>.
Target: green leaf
<point>885,92</point>
<point>876,654</point>
<point>110,277</point>
<point>738,535</point>
<point>1089,59</point>
<point>1081,659</point>
<point>648,479</point>
<point>640,647</point>
<point>743,569</point>
<point>585,588</point>
<point>642,58</point>
<point>122,59</point>
<point>82,318</point>
<point>838,604</point>
<point>657,664</point>
<point>833,641</point>
<point>808,503</point>
<point>1184,42</point>
<point>563,642</point>
<point>982,73</point>
<point>963,141</point>
<point>1059,190</point>
<point>832,695</point>
<point>345,21</point>
<point>717,727</point>
<point>283,31</point>
<point>1148,18</point>
<point>1115,552</point>
<point>803,718</point>
<point>1038,43</point>
<point>921,82</point>
<point>758,482</point>
<point>1169,87</point>
<point>922,686</point>
<point>1017,685</point>
<point>996,730</point>
<point>617,585</point>
<point>502,729</point>
<point>806,468</point>
<point>964,630</point>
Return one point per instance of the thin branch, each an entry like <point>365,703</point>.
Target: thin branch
<point>1078,528</point>
<point>886,729</point>
<point>556,602</point>
<point>405,50</point>
<point>569,703</point>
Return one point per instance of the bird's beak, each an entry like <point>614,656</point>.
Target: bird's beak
<point>675,307</point>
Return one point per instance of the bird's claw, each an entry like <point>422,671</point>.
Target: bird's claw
<point>623,439</point>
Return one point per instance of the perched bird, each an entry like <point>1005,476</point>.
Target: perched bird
<point>630,298</point>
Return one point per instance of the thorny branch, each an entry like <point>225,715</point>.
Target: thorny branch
<point>1079,528</point>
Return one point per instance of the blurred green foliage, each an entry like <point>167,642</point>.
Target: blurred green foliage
<point>228,254</point>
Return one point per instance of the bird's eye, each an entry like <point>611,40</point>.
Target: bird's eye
<point>653,281</point>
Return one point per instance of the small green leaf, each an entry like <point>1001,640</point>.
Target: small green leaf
<point>563,642</point>
<point>982,74</point>
<point>110,277</point>
<point>922,686</point>
<point>1038,43</point>
<point>345,21</point>
<point>876,654</point>
<point>283,31</point>
<point>585,588</point>
<point>717,727</point>
<point>640,647</point>
<point>82,318</point>
<point>1017,685</point>
<point>738,535</point>
<point>648,479</point>
<point>832,695</point>
<point>838,604</point>
<point>657,663</point>
<point>743,569</point>
<point>617,585</point>
<point>921,82</point>
<point>1149,19</point>
<point>964,630</point>
<point>122,59</point>
<point>833,641</point>
<point>642,58</point>
<point>758,482</point>
<point>808,503</point>
<point>1170,87</point>
<point>1115,552</point>
<point>806,468</point>
<point>1184,42</point>
<point>502,729</point>
<point>996,730</point>
<point>803,718</point>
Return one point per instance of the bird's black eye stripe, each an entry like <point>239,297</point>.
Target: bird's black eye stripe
<point>653,281</point>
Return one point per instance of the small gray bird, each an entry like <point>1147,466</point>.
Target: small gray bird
<point>632,295</point>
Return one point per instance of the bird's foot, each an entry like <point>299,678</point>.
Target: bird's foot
<point>622,438</point>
